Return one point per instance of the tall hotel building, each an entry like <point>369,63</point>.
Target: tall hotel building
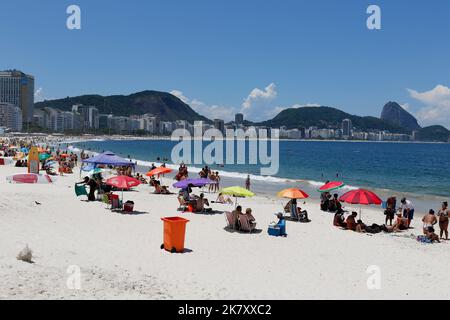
<point>17,88</point>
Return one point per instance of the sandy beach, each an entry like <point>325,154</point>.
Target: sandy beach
<point>119,255</point>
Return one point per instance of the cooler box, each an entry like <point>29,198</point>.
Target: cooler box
<point>174,234</point>
<point>115,202</point>
<point>274,231</point>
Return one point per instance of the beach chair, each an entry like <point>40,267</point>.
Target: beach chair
<point>246,224</point>
<point>230,220</point>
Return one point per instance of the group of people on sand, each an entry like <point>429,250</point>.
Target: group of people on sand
<point>182,172</point>
<point>207,173</point>
<point>191,202</point>
<point>239,216</point>
<point>398,220</point>
<point>330,203</point>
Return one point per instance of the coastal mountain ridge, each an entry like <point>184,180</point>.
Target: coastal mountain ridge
<point>327,117</point>
<point>163,104</point>
<point>394,114</point>
<point>168,107</point>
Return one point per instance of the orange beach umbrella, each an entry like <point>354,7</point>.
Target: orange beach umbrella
<point>160,170</point>
<point>293,193</point>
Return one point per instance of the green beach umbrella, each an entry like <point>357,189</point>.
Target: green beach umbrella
<point>237,192</point>
<point>44,156</point>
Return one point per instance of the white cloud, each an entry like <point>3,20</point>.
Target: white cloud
<point>406,107</point>
<point>209,111</point>
<point>38,95</point>
<point>437,105</point>
<point>257,104</point>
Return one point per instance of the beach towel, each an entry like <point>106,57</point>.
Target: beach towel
<point>80,190</point>
<point>423,239</point>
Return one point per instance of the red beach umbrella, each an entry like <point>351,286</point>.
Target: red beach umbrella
<point>160,170</point>
<point>123,182</point>
<point>331,186</point>
<point>361,196</point>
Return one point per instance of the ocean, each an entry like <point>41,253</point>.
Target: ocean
<point>420,171</point>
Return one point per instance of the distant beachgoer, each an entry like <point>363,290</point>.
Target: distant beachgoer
<point>443,215</point>
<point>391,207</point>
<point>217,182</point>
<point>92,187</point>
<point>429,221</point>
<point>247,182</point>
<point>407,208</point>
<point>236,214</point>
<point>223,200</point>
<point>351,221</point>
<point>339,220</point>
<point>433,237</point>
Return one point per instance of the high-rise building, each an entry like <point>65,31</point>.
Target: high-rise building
<point>17,88</point>
<point>89,116</point>
<point>10,117</point>
<point>347,128</point>
<point>239,119</point>
<point>219,124</point>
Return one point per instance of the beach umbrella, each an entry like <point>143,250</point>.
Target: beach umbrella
<point>123,183</point>
<point>44,156</point>
<point>24,150</point>
<point>331,186</point>
<point>95,171</point>
<point>157,171</point>
<point>198,183</point>
<point>293,193</point>
<point>237,192</point>
<point>31,178</point>
<point>362,197</point>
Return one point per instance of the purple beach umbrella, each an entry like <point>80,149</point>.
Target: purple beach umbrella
<point>195,182</point>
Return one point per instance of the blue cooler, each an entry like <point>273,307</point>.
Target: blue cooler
<point>274,231</point>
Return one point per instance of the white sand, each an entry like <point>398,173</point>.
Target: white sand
<point>120,256</point>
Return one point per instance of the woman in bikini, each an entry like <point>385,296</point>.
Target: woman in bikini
<point>443,220</point>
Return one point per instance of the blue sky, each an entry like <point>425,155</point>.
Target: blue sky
<point>227,56</point>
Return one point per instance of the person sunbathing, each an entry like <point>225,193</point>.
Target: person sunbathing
<point>339,220</point>
<point>165,190</point>
<point>400,224</point>
<point>251,218</point>
<point>223,199</point>
<point>200,203</point>
<point>433,237</point>
<point>351,221</point>
<point>360,227</point>
<point>302,215</point>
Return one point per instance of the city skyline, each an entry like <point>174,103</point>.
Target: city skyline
<point>220,63</point>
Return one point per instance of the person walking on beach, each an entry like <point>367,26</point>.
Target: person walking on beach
<point>247,183</point>
<point>407,208</point>
<point>443,220</point>
<point>429,221</point>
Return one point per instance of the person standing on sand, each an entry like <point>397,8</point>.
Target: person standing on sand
<point>443,220</point>
<point>247,183</point>
<point>429,221</point>
<point>407,208</point>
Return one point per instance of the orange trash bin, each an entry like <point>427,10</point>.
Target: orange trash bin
<point>174,234</point>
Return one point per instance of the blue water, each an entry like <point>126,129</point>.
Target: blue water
<point>422,169</point>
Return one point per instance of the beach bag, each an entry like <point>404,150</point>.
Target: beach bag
<point>80,190</point>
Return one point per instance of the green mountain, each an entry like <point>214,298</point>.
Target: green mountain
<point>433,133</point>
<point>165,105</point>
<point>326,117</point>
